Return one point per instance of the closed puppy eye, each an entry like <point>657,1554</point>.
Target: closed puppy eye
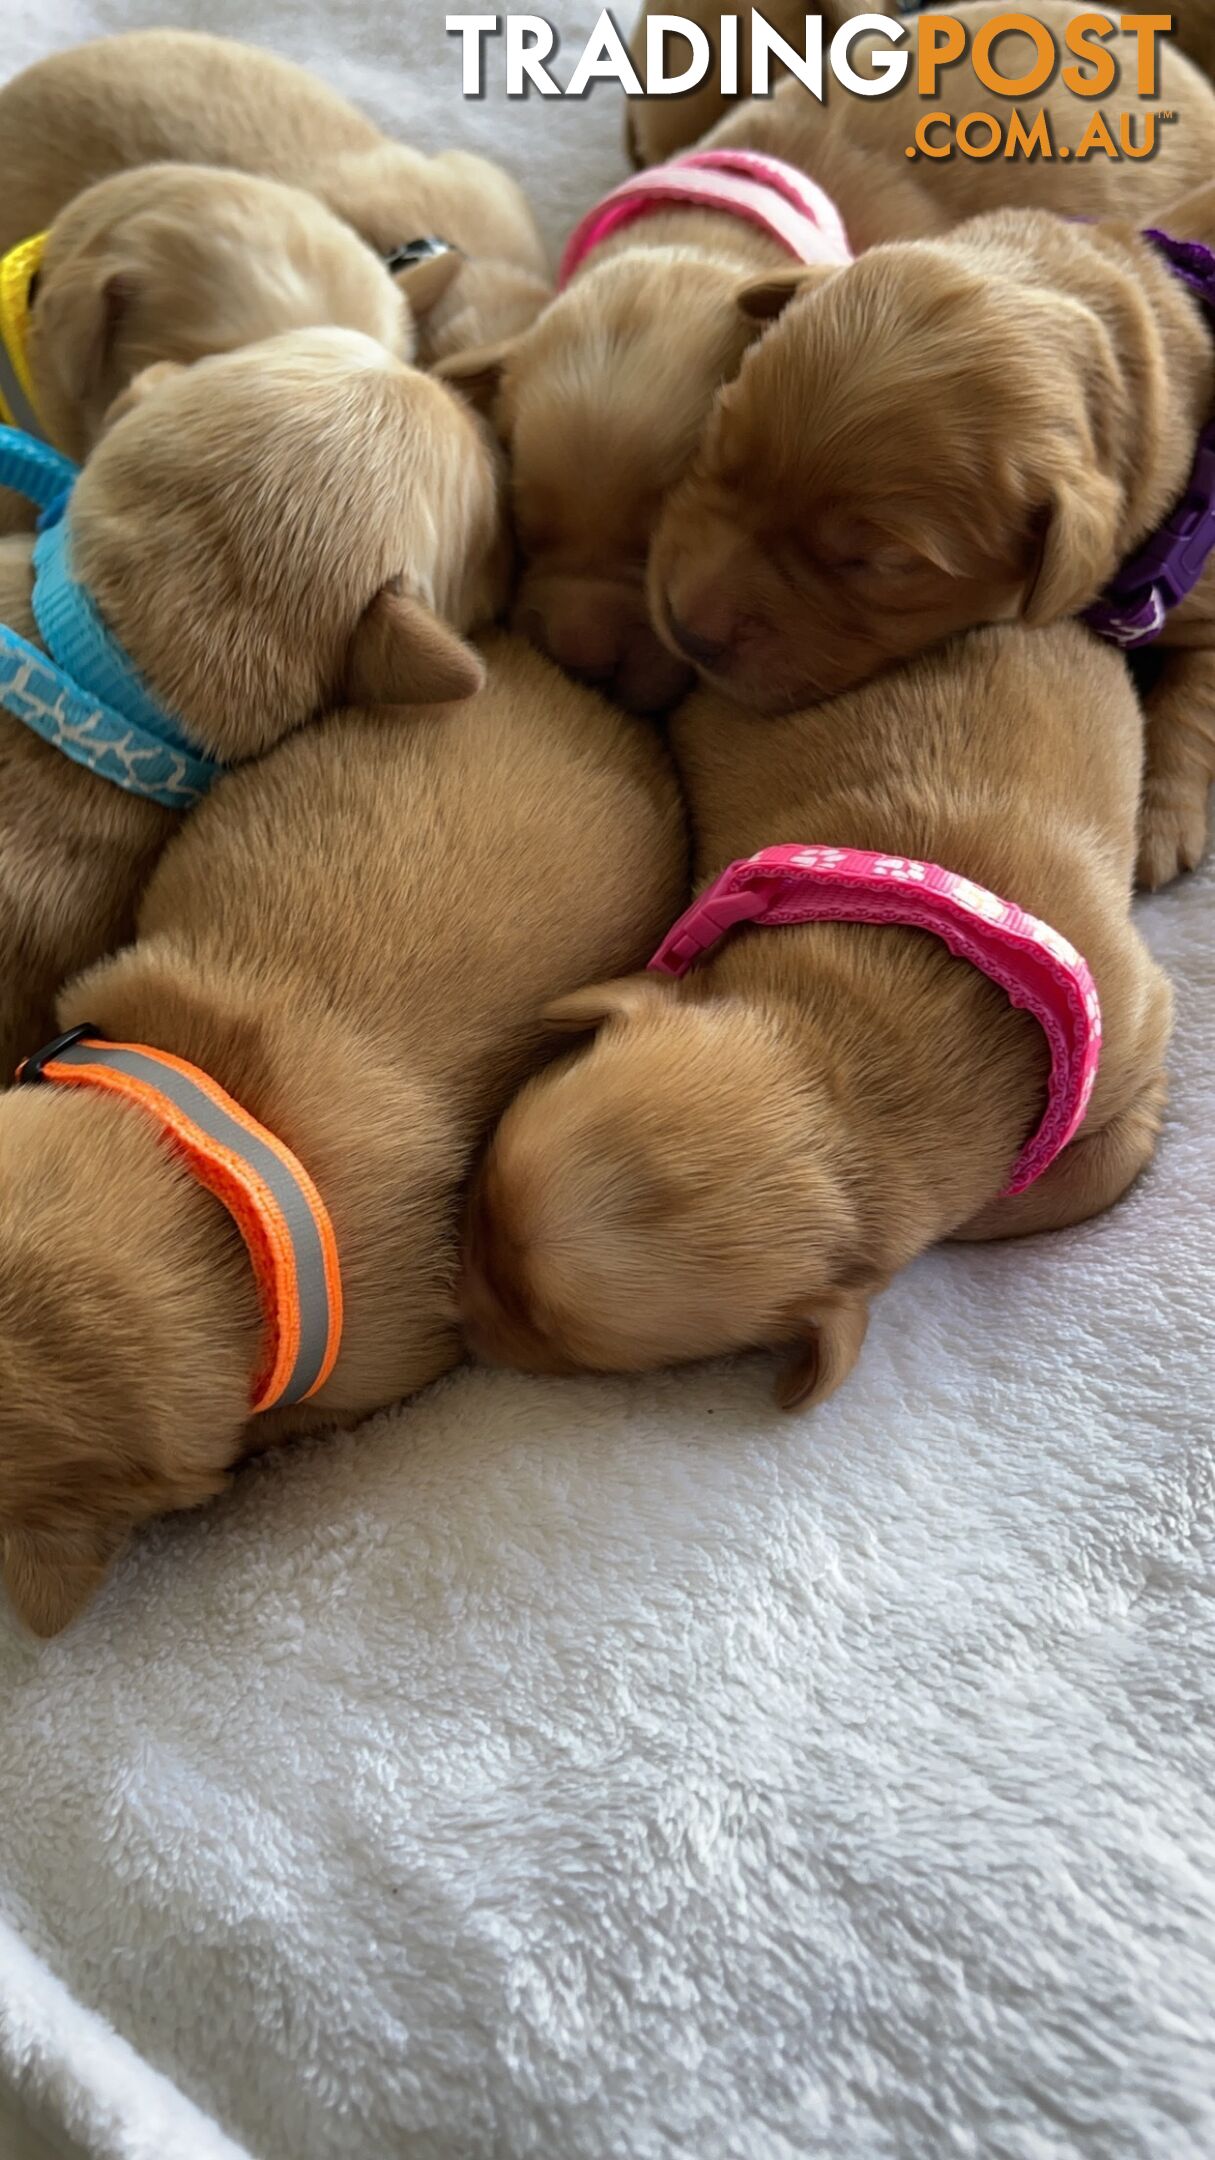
<point>842,565</point>
<point>843,542</point>
<point>883,558</point>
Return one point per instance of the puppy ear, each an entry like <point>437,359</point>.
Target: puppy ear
<point>477,375</point>
<point>950,552</point>
<point>1192,216</point>
<point>1079,545</point>
<point>401,654</point>
<point>761,300</point>
<point>141,386</point>
<point>835,1329</point>
<point>424,283</point>
<point>581,1010</point>
<point>77,320</point>
<point>50,1576</point>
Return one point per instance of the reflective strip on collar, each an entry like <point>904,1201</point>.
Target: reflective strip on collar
<point>17,272</point>
<point>267,1191</point>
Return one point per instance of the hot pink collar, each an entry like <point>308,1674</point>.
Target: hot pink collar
<point>763,190</point>
<point>1040,971</point>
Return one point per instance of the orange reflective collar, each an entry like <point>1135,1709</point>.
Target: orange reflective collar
<point>272,1200</point>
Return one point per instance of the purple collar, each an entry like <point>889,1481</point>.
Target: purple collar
<point>1133,606</point>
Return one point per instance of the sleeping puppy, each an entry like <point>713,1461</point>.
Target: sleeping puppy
<point>972,429</point>
<point>353,937</point>
<point>174,262</point>
<point>603,400</point>
<point>267,534</point>
<point>747,1156</point>
<point>154,95</point>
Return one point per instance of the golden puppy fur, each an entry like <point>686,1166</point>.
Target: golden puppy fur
<point>747,1157</point>
<point>155,95</point>
<point>1195,32</point>
<point>175,262</point>
<point>268,534</point>
<point>354,936</point>
<point>660,127</point>
<point>950,432</point>
<point>603,400</point>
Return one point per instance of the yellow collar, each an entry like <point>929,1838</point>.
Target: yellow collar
<point>18,269</point>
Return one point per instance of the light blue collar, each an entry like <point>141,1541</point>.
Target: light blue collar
<point>84,694</point>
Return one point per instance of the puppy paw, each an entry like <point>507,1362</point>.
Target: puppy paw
<point>1172,830</point>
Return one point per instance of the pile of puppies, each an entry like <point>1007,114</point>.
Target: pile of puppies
<point>313,867</point>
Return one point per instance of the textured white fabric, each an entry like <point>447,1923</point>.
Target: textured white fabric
<point>606,1768</point>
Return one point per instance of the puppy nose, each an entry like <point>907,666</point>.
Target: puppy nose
<point>700,650</point>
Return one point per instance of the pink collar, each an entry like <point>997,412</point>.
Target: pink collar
<point>763,190</point>
<point>1039,970</point>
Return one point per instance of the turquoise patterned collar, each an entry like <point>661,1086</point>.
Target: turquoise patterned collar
<point>84,694</point>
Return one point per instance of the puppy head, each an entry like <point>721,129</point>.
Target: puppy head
<point>99,1409</point>
<point>601,405</point>
<point>291,527</point>
<point>674,1193</point>
<point>173,262</point>
<point>913,448</point>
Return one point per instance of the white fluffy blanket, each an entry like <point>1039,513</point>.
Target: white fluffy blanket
<point>606,1768</point>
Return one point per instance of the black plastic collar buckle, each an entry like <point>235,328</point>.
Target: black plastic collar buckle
<point>30,1072</point>
<point>412,252</point>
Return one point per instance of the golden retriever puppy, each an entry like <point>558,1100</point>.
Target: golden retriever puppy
<point>353,938</point>
<point>174,262</point>
<point>151,96</point>
<point>266,535</point>
<point>746,1156</point>
<point>965,430</point>
<point>603,401</point>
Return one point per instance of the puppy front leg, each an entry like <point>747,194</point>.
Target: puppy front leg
<point>1179,765</point>
<point>1085,1180</point>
